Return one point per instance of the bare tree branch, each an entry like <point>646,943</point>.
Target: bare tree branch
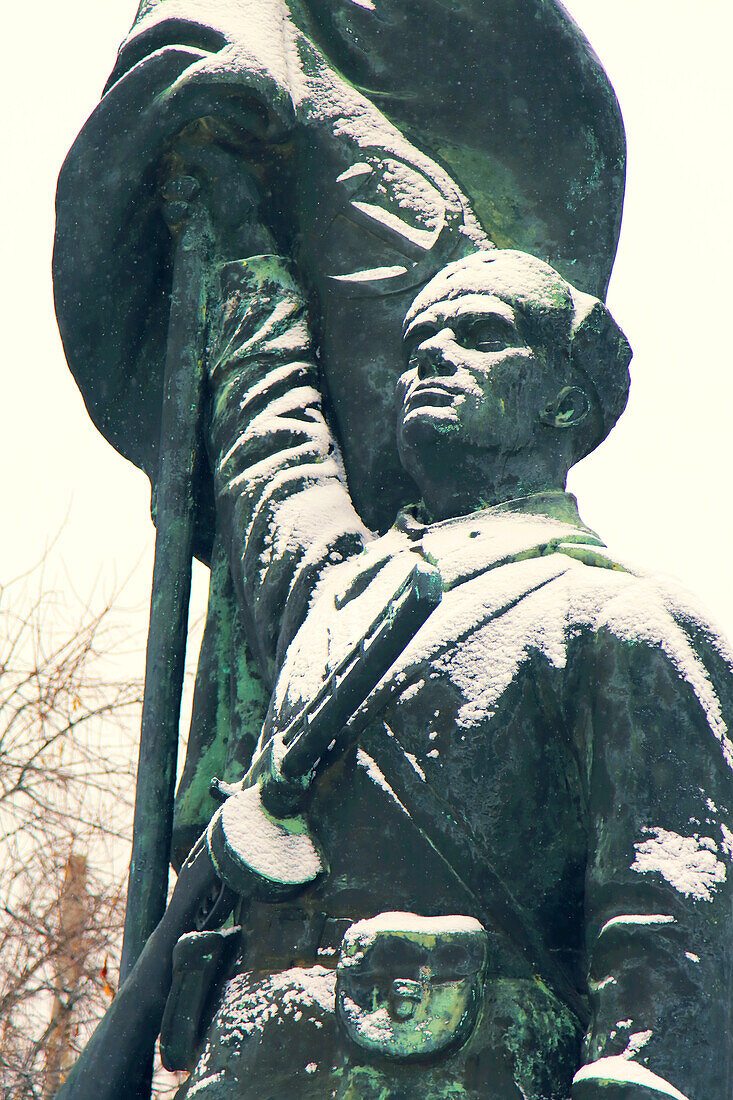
<point>68,737</point>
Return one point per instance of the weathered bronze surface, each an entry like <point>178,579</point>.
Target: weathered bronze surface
<point>398,137</point>
<point>458,784</point>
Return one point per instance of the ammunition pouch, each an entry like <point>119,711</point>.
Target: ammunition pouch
<point>200,960</point>
<point>410,987</point>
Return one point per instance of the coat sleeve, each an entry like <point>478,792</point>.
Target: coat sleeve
<point>283,507</point>
<point>655,729</point>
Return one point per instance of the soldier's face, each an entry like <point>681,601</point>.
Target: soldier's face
<point>472,378</point>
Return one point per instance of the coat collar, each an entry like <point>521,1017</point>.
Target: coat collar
<point>527,527</point>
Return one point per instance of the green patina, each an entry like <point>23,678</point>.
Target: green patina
<point>251,704</point>
<point>239,710</point>
<point>194,804</point>
<point>500,204</point>
<point>538,1031</point>
<point>370,1083</point>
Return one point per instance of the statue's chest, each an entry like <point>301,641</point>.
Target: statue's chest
<point>445,780</point>
<point>490,618</point>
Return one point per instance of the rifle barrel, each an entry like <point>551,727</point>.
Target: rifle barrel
<point>358,674</point>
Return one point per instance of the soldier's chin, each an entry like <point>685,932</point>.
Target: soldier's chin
<point>428,425</point>
<point>426,441</point>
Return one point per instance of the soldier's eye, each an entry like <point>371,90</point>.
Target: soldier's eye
<point>488,334</point>
<point>416,336</point>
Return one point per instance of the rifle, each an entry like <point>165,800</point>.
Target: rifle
<point>258,840</point>
<point>117,1055</point>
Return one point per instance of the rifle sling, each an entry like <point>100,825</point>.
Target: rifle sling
<point>448,833</point>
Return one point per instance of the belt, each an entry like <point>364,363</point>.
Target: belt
<point>279,936</point>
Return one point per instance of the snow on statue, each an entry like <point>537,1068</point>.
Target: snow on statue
<point>546,766</point>
<point>462,778</point>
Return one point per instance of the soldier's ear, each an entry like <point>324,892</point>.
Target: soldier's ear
<point>600,354</point>
<point>569,409</point>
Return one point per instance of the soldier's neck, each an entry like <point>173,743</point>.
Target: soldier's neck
<point>462,493</point>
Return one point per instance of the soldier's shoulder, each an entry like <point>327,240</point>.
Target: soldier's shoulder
<point>641,605</point>
<point>637,604</point>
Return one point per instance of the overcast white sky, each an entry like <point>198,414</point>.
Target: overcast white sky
<point>657,491</point>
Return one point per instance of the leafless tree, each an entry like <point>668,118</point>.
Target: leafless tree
<point>68,731</point>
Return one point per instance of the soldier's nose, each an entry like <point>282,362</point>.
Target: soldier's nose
<point>431,358</point>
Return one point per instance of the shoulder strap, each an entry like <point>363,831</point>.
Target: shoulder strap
<point>448,833</point>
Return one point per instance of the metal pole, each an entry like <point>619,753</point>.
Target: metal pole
<point>166,646</point>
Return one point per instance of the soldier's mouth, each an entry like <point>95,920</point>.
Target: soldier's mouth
<point>430,394</point>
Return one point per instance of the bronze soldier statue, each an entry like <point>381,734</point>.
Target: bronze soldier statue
<point>365,144</point>
<point>481,847</point>
<point>519,879</point>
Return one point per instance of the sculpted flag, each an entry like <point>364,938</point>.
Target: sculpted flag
<point>386,138</point>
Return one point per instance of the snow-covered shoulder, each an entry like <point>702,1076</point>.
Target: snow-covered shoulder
<point>656,612</point>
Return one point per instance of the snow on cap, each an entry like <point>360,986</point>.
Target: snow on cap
<point>533,286</point>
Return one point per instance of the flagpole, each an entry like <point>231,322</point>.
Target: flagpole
<point>169,602</point>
